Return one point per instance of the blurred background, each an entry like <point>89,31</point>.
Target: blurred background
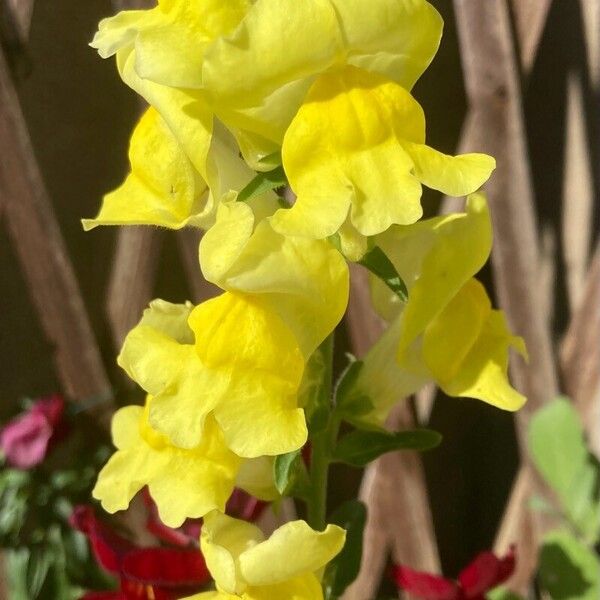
<point>79,116</point>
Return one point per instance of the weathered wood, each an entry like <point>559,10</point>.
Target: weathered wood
<point>577,194</point>
<point>591,22</point>
<point>530,18</point>
<point>188,241</point>
<point>41,252</point>
<point>393,487</point>
<point>15,23</point>
<point>580,355</point>
<point>22,10</point>
<point>132,278</point>
<point>492,82</point>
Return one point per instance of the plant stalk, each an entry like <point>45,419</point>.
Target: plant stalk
<point>321,445</point>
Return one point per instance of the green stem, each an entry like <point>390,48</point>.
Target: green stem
<point>322,444</point>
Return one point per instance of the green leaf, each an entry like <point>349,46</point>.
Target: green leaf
<point>290,474</point>
<point>348,402</point>
<point>16,571</point>
<point>271,161</point>
<point>569,570</point>
<point>557,446</point>
<point>262,183</point>
<point>502,593</point>
<point>361,447</point>
<point>343,569</point>
<point>381,266</point>
<point>38,566</point>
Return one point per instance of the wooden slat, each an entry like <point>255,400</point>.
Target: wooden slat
<point>188,241</point>
<point>530,19</point>
<point>41,251</point>
<point>492,82</point>
<point>393,487</point>
<point>132,278</point>
<point>580,355</point>
<point>15,21</point>
<point>578,193</point>
<point>591,21</point>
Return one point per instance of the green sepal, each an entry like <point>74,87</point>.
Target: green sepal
<point>312,395</point>
<point>344,568</point>
<point>290,476</point>
<point>271,161</point>
<point>360,447</point>
<point>349,404</point>
<point>263,183</point>
<point>376,261</point>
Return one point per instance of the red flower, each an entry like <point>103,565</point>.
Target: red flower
<point>144,573</point>
<point>483,574</point>
<point>26,439</point>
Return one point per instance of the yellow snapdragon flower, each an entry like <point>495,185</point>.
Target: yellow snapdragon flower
<point>167,43</point>
<point>163,187</point>
<point>303,281</point>
<point>447,332</point>
<point>183,483</point>
<point>234,361</point>
<point>259,75</point>
<point>285,566</point>
<point>252,63</point>
<point>355,153</point>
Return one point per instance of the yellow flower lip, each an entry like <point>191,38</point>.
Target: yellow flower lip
<point>356,151</point>
<point>183,483</point>
<point>242,561</point>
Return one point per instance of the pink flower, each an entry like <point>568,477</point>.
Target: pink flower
<point>483,574</point>
<point>26,439</point>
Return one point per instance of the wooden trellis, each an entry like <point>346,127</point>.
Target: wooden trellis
<point>499,41</point>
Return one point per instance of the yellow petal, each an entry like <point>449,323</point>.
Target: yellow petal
<point>212,595</point>
<point>222,540</point>
<point>172,52</point>
<point>451,175</point>
<point>270,49</point>
<point>304,587</point>
<point>121,30</point>
<point>257,409</point>
<point>185,111</point>
<point>163,188</point>
<point>343,149</point>
<point>304,282</point>
<point>170,319</point>
<point>184,392</point>
<point>396,38</point>
<point>466,348</point>
<point>125,474</point>
<point>256,477</point>
<point>183,483</point>
<point>195,482</point>
<point>450,337</point>
<point>457,248</point>
<point>125,427</point>
<point>305,551</point>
